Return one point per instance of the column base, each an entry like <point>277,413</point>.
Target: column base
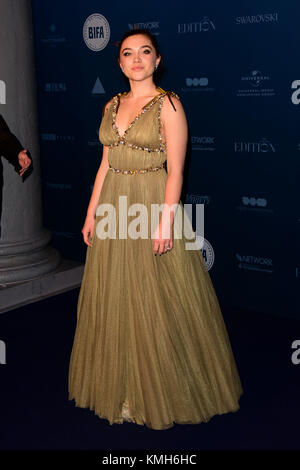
<point>27,259</point>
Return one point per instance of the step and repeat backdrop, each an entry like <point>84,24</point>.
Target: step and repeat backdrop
<point>235,67</point>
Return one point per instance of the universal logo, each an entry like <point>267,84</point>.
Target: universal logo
<point>254,263</point>
<point>96,32</point>
<point>263,146</point>
<point>256,19</point>
<point>2,92</point>
<point>296,94</point>
<point>202,26</point>
<point>256,79</point>
<point>152,26</point>
<point>2,352</point>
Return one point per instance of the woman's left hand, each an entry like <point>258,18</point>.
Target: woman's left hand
<point>163,238</point>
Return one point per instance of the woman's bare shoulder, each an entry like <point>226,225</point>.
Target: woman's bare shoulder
<point>107,104</point>
<point>171,104</point>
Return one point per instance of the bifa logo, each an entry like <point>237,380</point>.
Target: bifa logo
<point>296,94</point>
<point>96,32</point>
<point>2,352</point>
<point>2,92</point>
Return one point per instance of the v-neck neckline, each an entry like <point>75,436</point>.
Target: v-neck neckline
<point>143,110</point>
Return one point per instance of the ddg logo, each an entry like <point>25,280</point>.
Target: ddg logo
<point>2,92</point>
<point>203,81</point>
<point>96,32</point>
<point>296,95</point>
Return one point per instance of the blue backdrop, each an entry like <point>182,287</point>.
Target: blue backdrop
<point>235,67</point>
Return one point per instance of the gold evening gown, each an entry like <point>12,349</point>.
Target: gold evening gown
<point>150,345</point>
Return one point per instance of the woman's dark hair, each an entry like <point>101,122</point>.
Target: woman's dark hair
<point>145,32</point>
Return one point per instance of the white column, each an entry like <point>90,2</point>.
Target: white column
<point>25,252</point>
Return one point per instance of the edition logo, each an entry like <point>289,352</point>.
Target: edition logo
<point>2,352</point>
<point>2,92</point>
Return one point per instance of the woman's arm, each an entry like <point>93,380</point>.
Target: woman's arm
<point>88,228</point>
<point>101,173</point>
<point>175,131</point>
<point>175,134</point>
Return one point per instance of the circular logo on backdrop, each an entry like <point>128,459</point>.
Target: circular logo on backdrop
<point>208,253</point>
<point>96,32</point>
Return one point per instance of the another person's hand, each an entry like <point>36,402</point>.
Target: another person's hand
<point>24,161</point>
<point>88,229</point>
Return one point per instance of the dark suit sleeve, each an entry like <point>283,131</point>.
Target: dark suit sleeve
<point>9,144</point>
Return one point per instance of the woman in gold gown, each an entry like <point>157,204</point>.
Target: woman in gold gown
<point>150,345</point>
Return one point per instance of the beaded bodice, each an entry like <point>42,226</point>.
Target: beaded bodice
<point>142,145</point>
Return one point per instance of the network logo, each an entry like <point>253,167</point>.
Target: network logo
<point>152,26</point>
<point>254,263</point>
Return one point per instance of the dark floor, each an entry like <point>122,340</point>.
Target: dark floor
<point>36,413</point>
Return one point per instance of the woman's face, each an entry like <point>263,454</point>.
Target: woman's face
<point>138,57</point>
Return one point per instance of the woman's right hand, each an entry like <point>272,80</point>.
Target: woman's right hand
<point>88,229</point>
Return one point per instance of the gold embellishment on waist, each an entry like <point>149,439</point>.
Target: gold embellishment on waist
<point>160,149</point>
<point>136,171</point>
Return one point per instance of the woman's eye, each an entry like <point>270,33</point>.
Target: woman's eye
<point>126,53</point>
<point>147,51</point>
